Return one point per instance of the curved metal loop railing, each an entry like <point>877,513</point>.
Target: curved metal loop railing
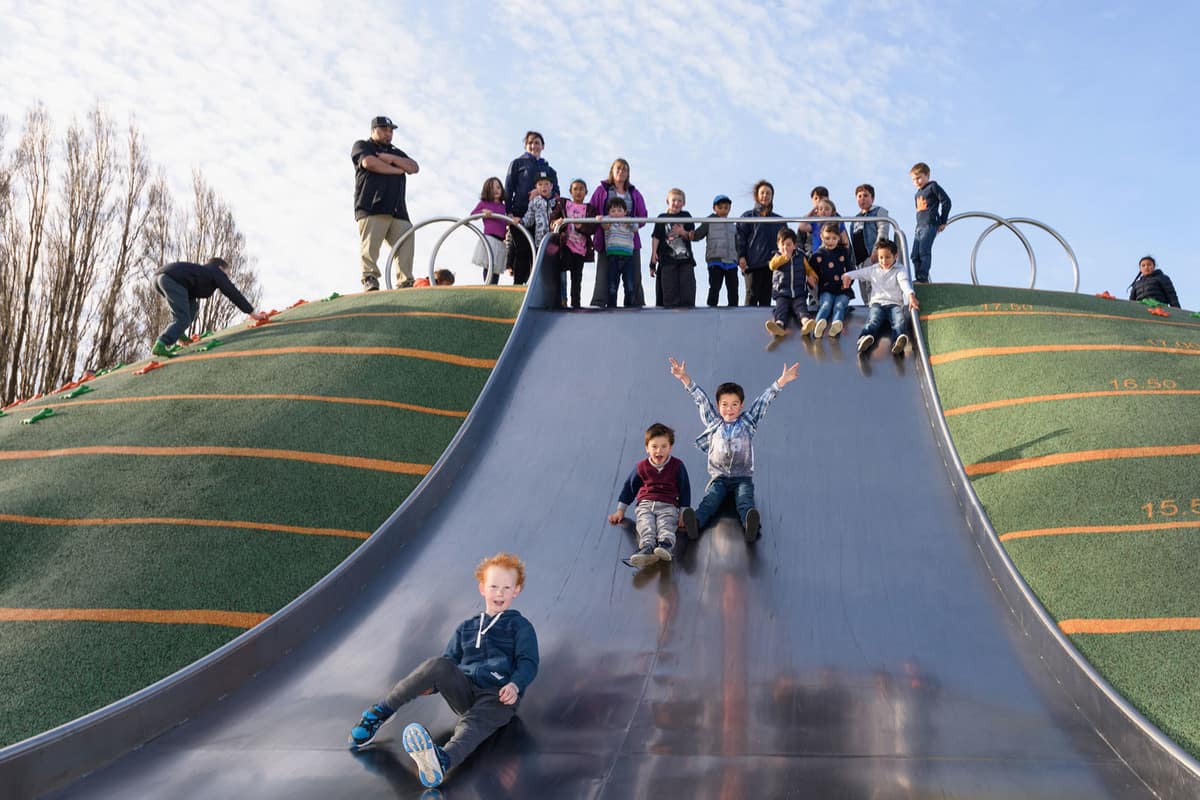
<point>1037,224</point>
<point>516,226</point>
<point>387,271</point>
<point>537,292</point>
<point>998,220</point>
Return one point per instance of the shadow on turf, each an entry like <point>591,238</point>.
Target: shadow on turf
<point>1019,450</point>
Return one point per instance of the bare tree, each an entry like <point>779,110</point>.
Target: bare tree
<point>212,231</point>
<point>110,343</point>
<point>77,245</point>
<point>32,174</point>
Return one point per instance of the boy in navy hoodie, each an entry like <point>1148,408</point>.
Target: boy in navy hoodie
<point>933,210</point>
<point>791,277</point>
<point>485,669</point>
<point>660,486</point>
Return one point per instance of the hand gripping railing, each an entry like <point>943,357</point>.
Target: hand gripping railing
<point>387,271</point>
<point>538,294</point>
<point>516,226</point>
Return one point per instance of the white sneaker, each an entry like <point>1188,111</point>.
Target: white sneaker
<point>864,342</point>
<point>835,328</point>
<point>775,329</point>
<point>899,345</point>
<point>806,326</point>
<point>819,329</point>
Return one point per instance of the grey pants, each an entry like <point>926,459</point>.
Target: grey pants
<point>656,523</point>
<point>480,711</point>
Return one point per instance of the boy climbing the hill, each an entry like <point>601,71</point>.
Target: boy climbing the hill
<point>183,284</point>
<point>660,486</point>
<point>728,440</point>
<point>485,669</point>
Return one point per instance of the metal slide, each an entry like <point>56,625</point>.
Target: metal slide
<point>859,649</point>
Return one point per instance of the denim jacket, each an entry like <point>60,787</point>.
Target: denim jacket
<point>730,444</point>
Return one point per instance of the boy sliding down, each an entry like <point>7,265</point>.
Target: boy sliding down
<point>661,487</point>
<point>488,664</point>
<point>728,439</point>
<point>889,288</point>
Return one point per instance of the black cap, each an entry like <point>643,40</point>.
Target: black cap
<point>382,122</point>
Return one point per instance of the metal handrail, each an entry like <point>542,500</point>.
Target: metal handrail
<point>387,272</point>
<point>535,281</point>
<point>1036,224</point>
<point>466,221</point>
<point>999,220</point>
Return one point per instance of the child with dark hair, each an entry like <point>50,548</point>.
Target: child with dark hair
<point>728,439</point>
<point>491,205</point>
<point>933,211</point>
<point>1152,283</point>
<point>482,675</point>
<point>890,289</point>
<point>618,248</point>
<point>660,486</point>
<point>790,281</point>
<point>832,260</point>
<point>574,240</point>
<point>183,284</point>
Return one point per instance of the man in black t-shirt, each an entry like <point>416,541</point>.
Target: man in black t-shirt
<point>380,172</point>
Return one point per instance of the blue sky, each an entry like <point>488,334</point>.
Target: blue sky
<point>1078,114</point>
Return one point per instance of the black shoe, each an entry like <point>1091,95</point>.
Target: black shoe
<point>370,283</point>
<point>752,525</point>
<point>665,550</point>
<point>644,557</point>
<point>689,523</point>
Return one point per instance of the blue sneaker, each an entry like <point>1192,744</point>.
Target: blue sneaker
<point>432,761</point>
<point>364,732</point>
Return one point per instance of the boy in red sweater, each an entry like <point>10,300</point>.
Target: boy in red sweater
<point>659,485</point>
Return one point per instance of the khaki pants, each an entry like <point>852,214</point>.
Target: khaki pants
<point>374,231</point>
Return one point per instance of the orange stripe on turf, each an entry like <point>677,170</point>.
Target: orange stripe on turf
<point>952,314</point>
<point>1147,625</point>
<point>228,619</point>
<point>403,352</point>
<point>1058,459</point>
<point>447,314</point>
<point>1050,398</point>
<point>1148,526</point>
<point>363,401</point>
<point>986,352</point>
<point>184,521</point>
<point>354,462</point>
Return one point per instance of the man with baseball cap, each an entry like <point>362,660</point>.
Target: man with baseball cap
<point>380,172</point>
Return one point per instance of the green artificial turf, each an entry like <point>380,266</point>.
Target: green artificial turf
<point>1132,397</point>
<point>55,671</point>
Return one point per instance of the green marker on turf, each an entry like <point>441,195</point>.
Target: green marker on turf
<point>333,296</point>
<point>43,414</point>
<point>84,389</point>
<point>211,345</point>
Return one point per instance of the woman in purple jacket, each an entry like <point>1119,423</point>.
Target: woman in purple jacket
<point>617,185</point>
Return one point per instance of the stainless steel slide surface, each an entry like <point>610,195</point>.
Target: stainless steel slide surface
<point>858,649</point>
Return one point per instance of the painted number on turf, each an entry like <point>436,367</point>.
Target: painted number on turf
<point>1172,508</point>
<point>1007,307</point>
<point>1176,343</point>
<point>1148,383</point>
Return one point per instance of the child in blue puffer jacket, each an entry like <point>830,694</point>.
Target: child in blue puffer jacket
<point>486,668</point>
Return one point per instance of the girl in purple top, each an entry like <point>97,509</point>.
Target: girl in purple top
<point>491,202</point>
<point>617,185</point>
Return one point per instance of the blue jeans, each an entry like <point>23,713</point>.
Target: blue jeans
<point>621,269</point>
<point>922,251</point>
<point>828,301</point>
<point>876,320</point>
<point>183,307</point>
<point>714,495</point>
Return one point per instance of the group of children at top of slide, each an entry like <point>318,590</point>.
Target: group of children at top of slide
<point>730,248</point>
<point>491,660</point>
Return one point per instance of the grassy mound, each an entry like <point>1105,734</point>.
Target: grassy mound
<point>157,516</point>
<point>1076,418</point>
